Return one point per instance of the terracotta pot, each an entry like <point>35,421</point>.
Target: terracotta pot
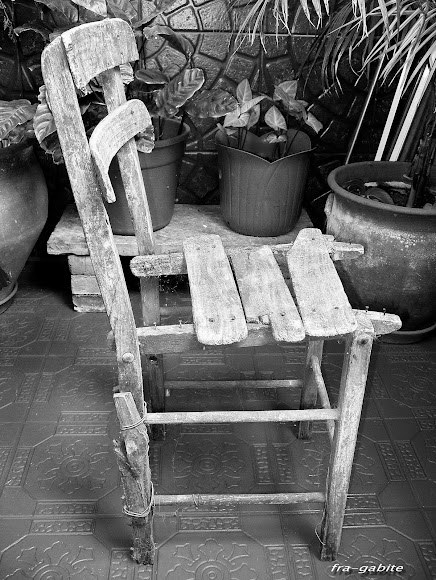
<point>23,209</point>
<point>160,172</point>
<point>260,197</point>
<point>397,270</point>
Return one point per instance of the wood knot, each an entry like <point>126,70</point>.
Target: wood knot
<point>128,357</point>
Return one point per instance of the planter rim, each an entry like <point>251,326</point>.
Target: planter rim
<point>159,143</point>
<point>262,159</point>
<point>338,189</point>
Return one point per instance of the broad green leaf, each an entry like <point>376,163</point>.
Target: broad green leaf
<point>13,114</point>
<point>244,92</point>
<point>289,88</point>
<point>181,88</point>
<point>247,105</point>
<point>254,116</point>
<point>175,39</point>
<point>66,8</point>
<point>52,146</point>
<point>37,26</point>
<point>122,9</point>
<point>273,138</point>
<point>151,76</point>
<point>313,122</point>
<point>274,119</point>
<point>97,6</point>
<point>126,71</point>
<point>295,107</point>
<point>145,140</point>
<point>212,103</point>
<point>236,120</point>
<point>43,121</point>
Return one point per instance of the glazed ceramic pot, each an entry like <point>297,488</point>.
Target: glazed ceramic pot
<point>23,211</point>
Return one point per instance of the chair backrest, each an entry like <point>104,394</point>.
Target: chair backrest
<point>70,62</point>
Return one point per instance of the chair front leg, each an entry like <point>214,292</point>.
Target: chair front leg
<point>352,389</point>
<point>309,391</point>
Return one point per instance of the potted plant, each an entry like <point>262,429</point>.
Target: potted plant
<point>164,90</point>
<point>263,156</point>
<point>23,194</point>
<point>389,206</point>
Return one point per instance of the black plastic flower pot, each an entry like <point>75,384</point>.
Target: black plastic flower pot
<point>260,197</point>
<point>397,270</point>
<point>160,172</point>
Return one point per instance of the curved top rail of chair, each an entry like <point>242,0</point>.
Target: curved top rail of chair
<point>88,39</point>
<point>111,134</point>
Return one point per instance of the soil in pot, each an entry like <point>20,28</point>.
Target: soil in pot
<point>397,270</point>
<point>160,172</point>
<point>260,197</point>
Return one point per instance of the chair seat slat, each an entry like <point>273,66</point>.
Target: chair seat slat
<point>217,310</point>
<point>265,295</point>
<point>321,299</point>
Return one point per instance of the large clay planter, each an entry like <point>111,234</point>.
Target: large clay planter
<point>160,172</point>
<point>259,197</point>
<point>397,270</point>
<point>23,210</point>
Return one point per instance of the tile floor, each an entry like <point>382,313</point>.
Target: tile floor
<point>60,496</point>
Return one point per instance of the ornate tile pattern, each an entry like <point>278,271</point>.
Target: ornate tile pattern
<point>60,506</point>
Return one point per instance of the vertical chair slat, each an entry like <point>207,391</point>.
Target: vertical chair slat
<point>265,295</point>
<point>321,299</point>
<point>217,310</point>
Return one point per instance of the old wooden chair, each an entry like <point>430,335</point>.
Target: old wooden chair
<point>246,303</point>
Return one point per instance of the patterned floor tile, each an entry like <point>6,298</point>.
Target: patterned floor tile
<point>60,494</point>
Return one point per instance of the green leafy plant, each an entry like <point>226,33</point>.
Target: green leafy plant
<point>16,121</point>
<point>256,120</point>
<point>165,91</point>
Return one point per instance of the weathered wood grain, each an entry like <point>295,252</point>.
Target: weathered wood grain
<point>85,285</point>
<point>275,416</point>
<point>81,265</point>
<point>382,322</point>
<point>90,303</point>
<point>188,221</point>
<point>131,451</point>
<point>217,311</point>
<point>65,108</point>
<point>120,126</point>
<point>89,51</point>
<point>265,295</point>
<point>351,392</point>
<point>321,299</point>
<point>134,188</point>
<point>174,263</point>
<point>182,338</point>
<point>309,392</point>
